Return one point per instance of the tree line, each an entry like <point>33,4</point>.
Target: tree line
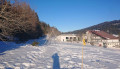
<point>18,22</point>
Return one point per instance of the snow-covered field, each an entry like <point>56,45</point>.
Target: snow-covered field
<point>57,55</point>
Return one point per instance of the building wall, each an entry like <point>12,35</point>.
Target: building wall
<point>93,38</point>
<point>112,44</point>
<point>113,40</point>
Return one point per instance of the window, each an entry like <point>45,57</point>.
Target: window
<point>74,37</point>
<point>67,38</point>
<point>0,30</point>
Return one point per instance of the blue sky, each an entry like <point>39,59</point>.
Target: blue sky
<point>69,15</point>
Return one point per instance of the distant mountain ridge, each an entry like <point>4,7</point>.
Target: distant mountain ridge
<point>112,27</point>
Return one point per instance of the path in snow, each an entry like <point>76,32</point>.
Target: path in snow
<point>54,55</point>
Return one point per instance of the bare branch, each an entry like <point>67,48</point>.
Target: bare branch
<point>4,8</point>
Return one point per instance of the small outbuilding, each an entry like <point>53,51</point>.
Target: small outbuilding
<point>68,37</point>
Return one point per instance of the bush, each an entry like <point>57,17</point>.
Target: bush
<point>35,43</point>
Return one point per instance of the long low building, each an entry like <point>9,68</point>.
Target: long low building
<point>101,38</point>
<point>68,37</point>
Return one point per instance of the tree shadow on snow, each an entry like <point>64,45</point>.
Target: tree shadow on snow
<point>43,42</point>
<point>56,64</point>
<point>6,46</point>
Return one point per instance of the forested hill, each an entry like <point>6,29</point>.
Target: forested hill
<point>113,27</point>
<point>19,22</point>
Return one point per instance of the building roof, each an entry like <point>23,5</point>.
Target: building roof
<point>103,34</point>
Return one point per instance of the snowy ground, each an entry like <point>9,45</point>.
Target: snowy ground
<point>57,55</point>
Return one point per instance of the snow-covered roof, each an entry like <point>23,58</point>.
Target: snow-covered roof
<point>68,35</point>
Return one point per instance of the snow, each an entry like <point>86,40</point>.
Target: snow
<point>52,54</point>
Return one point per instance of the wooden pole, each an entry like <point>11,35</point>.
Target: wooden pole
<point>82,58</point>
<point>84,43</point>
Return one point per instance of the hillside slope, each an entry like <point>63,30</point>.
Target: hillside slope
<point>113,27</point>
